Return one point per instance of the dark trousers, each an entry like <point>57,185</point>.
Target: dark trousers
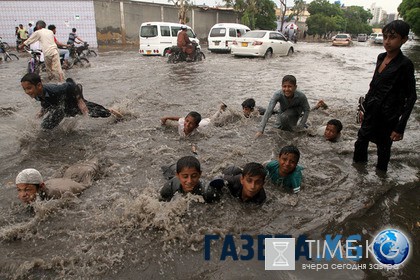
<point>383,144</point>
<point>58,113</point>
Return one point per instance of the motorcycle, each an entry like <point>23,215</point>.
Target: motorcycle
<point>177,55</point>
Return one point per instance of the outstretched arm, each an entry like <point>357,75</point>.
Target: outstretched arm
<point>164,119</point>
<point>82,106</point>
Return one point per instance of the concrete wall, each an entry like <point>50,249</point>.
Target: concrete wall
<point>118,22</point>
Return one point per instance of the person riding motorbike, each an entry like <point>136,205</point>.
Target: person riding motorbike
<point>184,43</point>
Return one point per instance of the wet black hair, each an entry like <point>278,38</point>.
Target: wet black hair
<point>397,26</point>
<point>249,103</point>
<point>196,116</point>
<point>51,27</point>
<point>32,78</point>
<point>73,29</point>
<point>289,78</point>
<point>187,162</point>
<point>290,150</point>
<point>254,169</point>
<point>41,24</point>
<point>336,123</point>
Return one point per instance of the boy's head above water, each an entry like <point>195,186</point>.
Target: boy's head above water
<point>31,84</point>
<point>252,179</point>
<point>188,171</point>
<point>28,183</point>
<point>288,159</point>
<point>333,130</point>
<point>288,85</point>
<point>192,120</point>
<point>248,106</point>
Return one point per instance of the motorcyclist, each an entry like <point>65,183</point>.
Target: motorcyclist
<point>184,43</point>
<point>62,48</point>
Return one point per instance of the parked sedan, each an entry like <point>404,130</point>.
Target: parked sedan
<point>342,40</point>
<point>264,43</point>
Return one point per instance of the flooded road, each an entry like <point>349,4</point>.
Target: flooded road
<point>118,229</point>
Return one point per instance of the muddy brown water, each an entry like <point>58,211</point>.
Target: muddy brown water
<point>117,229</point>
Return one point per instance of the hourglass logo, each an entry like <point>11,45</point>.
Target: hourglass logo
<point>279,254</point>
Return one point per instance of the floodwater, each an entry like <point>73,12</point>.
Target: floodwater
<point>118,229</point>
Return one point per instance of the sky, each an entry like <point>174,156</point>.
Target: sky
<point>390,6</point>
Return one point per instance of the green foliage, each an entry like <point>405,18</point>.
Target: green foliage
<point>410,11</point>
<point>266,15</point>
<point>258,14</point>
<point>326,17</point>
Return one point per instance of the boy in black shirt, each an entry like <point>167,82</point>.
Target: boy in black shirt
<point>59,101</point>
<point>390,98</point>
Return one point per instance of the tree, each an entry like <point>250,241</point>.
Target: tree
<point>255,13</point>
<point>183,7</point>
<point>410,12</point>
<point>357,20</point>
<point>298,9</point>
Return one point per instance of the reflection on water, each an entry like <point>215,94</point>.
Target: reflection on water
<point>119,229</point>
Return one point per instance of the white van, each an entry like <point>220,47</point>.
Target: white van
<point>157,37</point>
<point>222,35</point>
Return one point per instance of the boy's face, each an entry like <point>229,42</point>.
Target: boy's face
<point>251,185</point>
<point>26,192</point>
<point>189,178</point>
<point>288,89</point>
<point>31,89</point>
<point>288,163</point>
<point>189,125</point>
<point>247,111</point>
<point>331,133</point>
<point>393,41</point>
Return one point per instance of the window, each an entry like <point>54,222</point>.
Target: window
<point>232,32</point>
<point>165,31</point>
<point>175,30</point>
<point>218,32</point>
<point>149,31</point>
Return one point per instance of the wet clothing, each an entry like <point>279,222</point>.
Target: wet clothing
<point>184,42</point>
<point>388,105</point>
<point>209,192</point>
<point>235,188</point>
<point>60,101</point>
<point>289,113</point>
<point>203,123</point>
<point>291,181</point>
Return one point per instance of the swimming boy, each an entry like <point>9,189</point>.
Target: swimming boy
<point>390,99</point>
<point>189,125</point>
<point>285,171</point>
<point>292,104</point>
<point>59,101</point>
<point>187,180</point>
<point>247,184</point>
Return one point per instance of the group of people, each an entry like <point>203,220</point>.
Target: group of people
<point>49,46</point>
<point>387,107</point>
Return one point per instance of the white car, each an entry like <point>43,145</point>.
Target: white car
<point>379,39</point>
<point>264,43</point>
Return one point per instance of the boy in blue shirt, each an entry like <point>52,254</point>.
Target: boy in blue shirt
<point>285,171</point>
